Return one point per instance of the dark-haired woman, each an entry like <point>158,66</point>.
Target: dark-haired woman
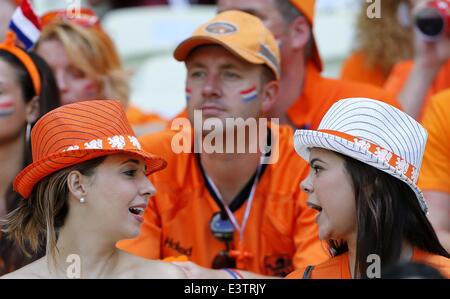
<point>365,160</point>
<point>27,91</point>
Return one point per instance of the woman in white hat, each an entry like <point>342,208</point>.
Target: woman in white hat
<point>86,189</point>
<point>365,160</point>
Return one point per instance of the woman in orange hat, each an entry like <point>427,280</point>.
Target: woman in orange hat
<point>86,63</point>
<point>365,160</point>
<point>27,91</point>
<point>86,189</point>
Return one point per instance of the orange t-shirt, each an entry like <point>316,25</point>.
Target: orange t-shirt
<point>145,123</point>
<point>320,93</point>
<point>339,267</point>
<point>356,69</point>
<point>281,234</point>
<point>435,171</point>
<point>400,74</point>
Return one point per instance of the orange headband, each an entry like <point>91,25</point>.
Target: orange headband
<point>9,46</point>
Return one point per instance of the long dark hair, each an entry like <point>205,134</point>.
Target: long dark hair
<point>388,214</point>
<point>10,257</point>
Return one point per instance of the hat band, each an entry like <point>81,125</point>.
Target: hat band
<point>116,142</point>
<point>395,161</point>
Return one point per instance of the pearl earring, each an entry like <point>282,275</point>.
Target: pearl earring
<point>82,200</point>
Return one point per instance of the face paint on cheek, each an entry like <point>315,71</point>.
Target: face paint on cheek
<point>249,95</point>
<point>6,108</point>
<point>91,89</point>
<point>188,94</point>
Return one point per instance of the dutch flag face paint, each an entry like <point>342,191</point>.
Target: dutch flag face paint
<point>6,108</point>
<point>188,94</point>
<point>249,95</point>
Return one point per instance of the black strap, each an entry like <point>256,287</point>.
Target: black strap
<point>308,271</point>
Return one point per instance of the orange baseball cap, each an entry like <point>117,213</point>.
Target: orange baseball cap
<point>241,33</point>
<point>307,7</point>
<point>78,132</point>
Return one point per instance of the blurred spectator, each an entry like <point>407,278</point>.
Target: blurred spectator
<point>415,81</point>
<point>27,91</point>
<point>381,42</point>
<point>86,64</point>
<point>304,95</point>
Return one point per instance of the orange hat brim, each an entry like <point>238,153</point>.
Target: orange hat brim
<point>32,174</point>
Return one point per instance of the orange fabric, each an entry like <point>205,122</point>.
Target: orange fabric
<point>400,74</point>
<point>320,93</point>
<point>281,233</point>
<point>240,33</point>
<point>355,69</point>
<point>339,267</point>
<point>435,174</point>
<point>9,46</point>
<point>78,132</point>
<point>145,123</point>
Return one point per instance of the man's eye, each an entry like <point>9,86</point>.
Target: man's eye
<point>130,172</point>
<point>231,75</point>
<point>316,169</point>
<point>197,74</point>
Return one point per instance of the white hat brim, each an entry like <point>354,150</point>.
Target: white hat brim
<point>304,140</point>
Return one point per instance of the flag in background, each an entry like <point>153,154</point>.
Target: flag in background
<point>26,25</point>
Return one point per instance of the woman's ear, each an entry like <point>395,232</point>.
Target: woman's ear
<point>32,110</point>
<point>76,182</point>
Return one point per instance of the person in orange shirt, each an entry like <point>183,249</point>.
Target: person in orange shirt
<point>304,95</point>
<point>87,65</point>
<point>222,209</point>
<point>86,188</point>
<point>365,160</point>
<point>435,175</point>
<point>415,81</point>
<point>381,42</point>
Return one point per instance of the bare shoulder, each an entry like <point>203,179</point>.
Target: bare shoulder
<point>137,267</point>
<point>35,270</point>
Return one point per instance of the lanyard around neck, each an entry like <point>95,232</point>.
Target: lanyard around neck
<point>239,228</point>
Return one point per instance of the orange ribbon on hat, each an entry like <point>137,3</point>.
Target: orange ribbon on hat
<point>10,46</point>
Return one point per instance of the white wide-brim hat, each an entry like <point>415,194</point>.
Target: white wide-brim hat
<point>374,133</point>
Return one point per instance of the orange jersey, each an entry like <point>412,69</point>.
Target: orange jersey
<point>356,69</point>
<point>320,93</point>
<point>339,267</point>
<point>280,235</point>
<point>400,74</point>
<point>435,171</point>
<point>145,123</point>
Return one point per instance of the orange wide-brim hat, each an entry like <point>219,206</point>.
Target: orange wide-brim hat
<point>79,132</point>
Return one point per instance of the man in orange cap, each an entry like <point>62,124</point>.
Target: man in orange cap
<point>230,207</point>
<point>304,95</point>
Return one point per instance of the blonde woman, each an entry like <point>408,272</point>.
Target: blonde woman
<point>381,42</point>
<point>87,65</point>
<point>86,189</point>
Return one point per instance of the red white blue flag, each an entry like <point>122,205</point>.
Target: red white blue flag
<point>26,25</point>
